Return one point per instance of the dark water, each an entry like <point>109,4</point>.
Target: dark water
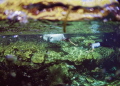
<point>111,39</point>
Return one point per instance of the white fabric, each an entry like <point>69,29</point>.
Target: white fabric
<point>94,45</point>
<point>53,37</point>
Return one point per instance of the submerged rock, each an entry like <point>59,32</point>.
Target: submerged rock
<point>11,58</point>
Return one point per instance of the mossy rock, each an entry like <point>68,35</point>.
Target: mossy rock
<point>38,57</point>
<point>23,50</point>
<point>28,54</point>
<point>8,51</point>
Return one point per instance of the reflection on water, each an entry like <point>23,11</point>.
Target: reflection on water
<point>60,59</point>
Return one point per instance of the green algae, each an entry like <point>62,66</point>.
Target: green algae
<point>38,57</point>
<point>24,50</point>
<point>43,51</point>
